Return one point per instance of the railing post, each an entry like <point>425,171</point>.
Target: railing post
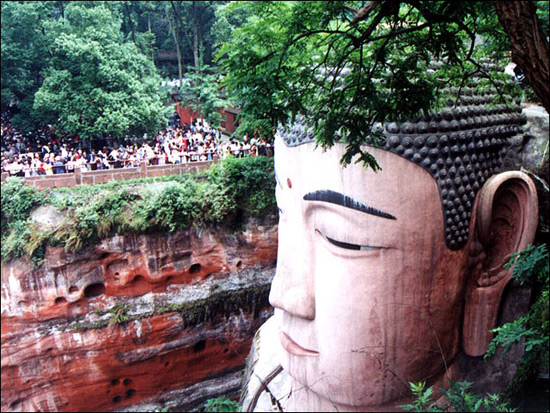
<point>78,175</point>
<point>143,169</point>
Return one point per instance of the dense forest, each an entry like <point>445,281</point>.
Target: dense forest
<point>96,67</point>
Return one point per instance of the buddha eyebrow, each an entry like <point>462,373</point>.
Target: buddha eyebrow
<point>337,198</point>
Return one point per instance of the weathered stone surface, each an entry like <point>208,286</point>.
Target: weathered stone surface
<point>266,386</point>
<point>191,398</point>
<point>535,139</point>
<point>133,319</point>
<point>368,295</point>
<point>47,217</point>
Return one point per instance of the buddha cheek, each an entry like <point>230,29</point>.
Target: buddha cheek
<point>305,370</point>
<point>353,379</point>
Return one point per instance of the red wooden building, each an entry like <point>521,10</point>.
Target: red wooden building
<point>228,122</point>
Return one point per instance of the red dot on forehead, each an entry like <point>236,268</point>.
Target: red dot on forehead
<point>289,182</point>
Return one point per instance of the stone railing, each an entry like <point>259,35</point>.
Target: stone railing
<point>79,177</point>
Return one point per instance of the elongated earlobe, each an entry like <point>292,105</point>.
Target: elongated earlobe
<point>506,219</point>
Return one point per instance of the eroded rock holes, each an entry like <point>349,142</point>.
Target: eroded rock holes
<point>195,268</point>
<point>94,290</point>
<point>199,346</point>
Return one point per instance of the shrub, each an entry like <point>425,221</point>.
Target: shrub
<point>221,404</point>
<point>19,236</point>
<point>230,192</point>
<point>97,219</point>
<point>530,266</point>
<point>170,208</point>
<point>24,239</point>
<point>18,200</point>
<point>218,205</point>
<point>240,187</point>
<point>119,314</point>
<point>457,399</point>
<point>109,208</point>
<point>13,243</point>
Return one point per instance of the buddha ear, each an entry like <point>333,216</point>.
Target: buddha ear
<point>505,221</point>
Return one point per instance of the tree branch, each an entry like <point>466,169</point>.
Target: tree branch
<point>301,36</point>
<point>363,13</point>
<point>482,70</point>
<point>399,32</point>
<point>387,9</point>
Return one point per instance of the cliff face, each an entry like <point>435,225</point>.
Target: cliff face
<point>134,320</point>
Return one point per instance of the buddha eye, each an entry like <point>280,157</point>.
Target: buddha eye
<point>343,244</point>
<point>346,245</point>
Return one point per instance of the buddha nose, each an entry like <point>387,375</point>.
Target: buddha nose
<point>292,288</point>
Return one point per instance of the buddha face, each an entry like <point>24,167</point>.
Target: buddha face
<point>367,295</point>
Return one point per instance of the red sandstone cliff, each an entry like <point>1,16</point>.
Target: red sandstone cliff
<point>137,318</point>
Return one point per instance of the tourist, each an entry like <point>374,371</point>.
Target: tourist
<point>58,166</point>
<point>47,153</point>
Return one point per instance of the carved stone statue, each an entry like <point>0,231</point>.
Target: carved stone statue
<point>382,278</point>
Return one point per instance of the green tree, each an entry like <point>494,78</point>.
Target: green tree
<point>24,54</point>
<point>98,83</point>
<point>291,57</point>
<point>136,23</point>
<point>228,17</point>
<point>190,23</point>
<point>200,93</point>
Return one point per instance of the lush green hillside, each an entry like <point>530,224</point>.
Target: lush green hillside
<point>227,195</point>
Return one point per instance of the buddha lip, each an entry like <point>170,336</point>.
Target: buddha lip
<point>293,348</point>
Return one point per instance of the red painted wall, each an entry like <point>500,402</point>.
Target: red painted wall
<point>186,115</point>
<point>227,123</point>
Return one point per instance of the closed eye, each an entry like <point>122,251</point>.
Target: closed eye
<point>346,245</point>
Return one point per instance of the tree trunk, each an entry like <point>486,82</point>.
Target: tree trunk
<point>152,43</point>
<point>130,23</point>
<point>195,37</point>
<point>176,41</point>
<point>529,45</point>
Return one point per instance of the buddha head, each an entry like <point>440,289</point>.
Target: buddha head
<point>383,277</point>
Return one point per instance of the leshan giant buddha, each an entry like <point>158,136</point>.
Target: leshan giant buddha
<point>383,277</point>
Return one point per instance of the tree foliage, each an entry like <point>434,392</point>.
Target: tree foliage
<point>221,404</point>
<point>18,200</point>
<point>530,266</point>
<point>98,83</point>
<point>347,65</point>
<point>24,54</point>
<point>200,93</point>
<point>457,399</point>
<point>281,59</point>
<point>92,68</point>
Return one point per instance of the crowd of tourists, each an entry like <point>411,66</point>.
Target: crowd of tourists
<point>44,153</point>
